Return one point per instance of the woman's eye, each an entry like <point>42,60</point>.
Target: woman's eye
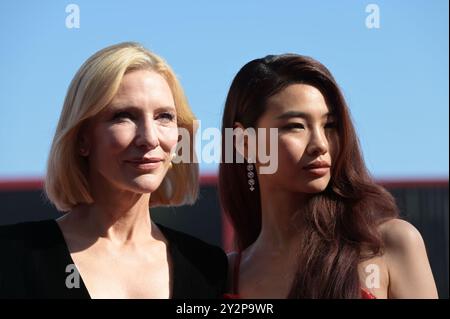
<point>122,116</point>
<point>330,125</point>
<point>166,117</point>
<point>294,126</point>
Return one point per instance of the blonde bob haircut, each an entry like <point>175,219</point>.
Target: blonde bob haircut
<point>91,90</point>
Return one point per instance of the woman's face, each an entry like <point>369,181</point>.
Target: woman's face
<point>307,139</point>
<point>130,142</point>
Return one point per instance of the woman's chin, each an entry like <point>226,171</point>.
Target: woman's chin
<point>145,184</point>
<point>316,186</point>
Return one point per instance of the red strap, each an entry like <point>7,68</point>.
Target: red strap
<point>367,294</point>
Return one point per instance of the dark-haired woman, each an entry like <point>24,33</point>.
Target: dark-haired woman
<point>318,226</point>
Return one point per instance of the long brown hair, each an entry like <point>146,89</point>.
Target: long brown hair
<point>338,222</point>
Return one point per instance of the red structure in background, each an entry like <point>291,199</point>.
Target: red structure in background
<point>211,181</point>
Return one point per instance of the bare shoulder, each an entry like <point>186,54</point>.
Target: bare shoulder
<point>405,256</point>
<point>399,235</point>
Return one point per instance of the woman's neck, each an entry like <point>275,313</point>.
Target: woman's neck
<point>117,221</point>
<point>280,227</point>
<point>119,216</point>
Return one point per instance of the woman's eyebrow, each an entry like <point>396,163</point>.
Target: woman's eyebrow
<point>131,107</point>
<point>291,114</point>
<point>123,106</point>
<point>166,109</point>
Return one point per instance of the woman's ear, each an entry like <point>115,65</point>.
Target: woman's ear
<point>238,125</point>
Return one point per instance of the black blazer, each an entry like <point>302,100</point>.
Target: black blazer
<point>34,258</point>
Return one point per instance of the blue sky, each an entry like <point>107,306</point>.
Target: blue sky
<point>395,77</point>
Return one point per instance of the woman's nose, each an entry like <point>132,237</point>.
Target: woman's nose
<point>318,144</point>
<point>147,135</point>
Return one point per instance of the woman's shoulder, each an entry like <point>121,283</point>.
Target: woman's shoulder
<point>27,231</point>
<point>405,255</point>
<point>34,261</point>
<point>401,242</point>
<point>28,238</point>
<point>400,235</point>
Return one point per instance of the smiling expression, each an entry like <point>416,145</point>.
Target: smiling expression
<point>131,141</point>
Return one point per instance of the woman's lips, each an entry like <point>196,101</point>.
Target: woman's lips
<point>145,165</point>
<point>317,170</point>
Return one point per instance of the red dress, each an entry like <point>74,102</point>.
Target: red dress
<point>235,295</point>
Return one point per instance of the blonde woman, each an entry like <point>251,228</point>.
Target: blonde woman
<point>110,161</point>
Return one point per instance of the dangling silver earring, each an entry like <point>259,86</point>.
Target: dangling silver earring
<point>250,175</point>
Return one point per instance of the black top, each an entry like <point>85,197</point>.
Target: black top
<point>34,261</point>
